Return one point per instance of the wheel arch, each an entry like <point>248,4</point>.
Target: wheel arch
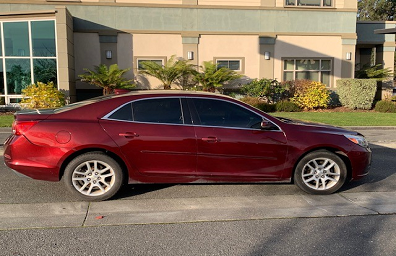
<point>335,151</point>
<point>93,150</point>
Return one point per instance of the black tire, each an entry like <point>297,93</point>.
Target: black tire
<point>102,182</point>
<point>320,173</point>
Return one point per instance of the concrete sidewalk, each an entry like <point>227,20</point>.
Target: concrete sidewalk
<point>180,210</point>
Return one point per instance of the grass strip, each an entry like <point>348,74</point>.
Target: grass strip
<point>343,118</point>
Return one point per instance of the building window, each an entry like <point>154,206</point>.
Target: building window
<point>230,64</point>
<point>309,3</point>
<point>27,55</point>
<point>311,69</point>
<point>159,61</point>
<point>236,64</point>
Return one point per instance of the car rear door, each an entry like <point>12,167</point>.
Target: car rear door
<point>230,142</point>
<point>155,135</point>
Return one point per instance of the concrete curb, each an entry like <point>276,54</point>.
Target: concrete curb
<point>180,210</point>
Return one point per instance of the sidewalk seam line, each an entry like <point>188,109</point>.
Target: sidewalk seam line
<point>378,213</point>
<point>86,215</point>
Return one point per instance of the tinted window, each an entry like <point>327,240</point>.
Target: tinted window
<point>165,110</point>
<point>124,113</point>
<point>222,113</point>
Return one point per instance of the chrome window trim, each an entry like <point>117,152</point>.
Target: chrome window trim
<point>106,117</point>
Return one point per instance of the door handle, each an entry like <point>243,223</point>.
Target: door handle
<point>129,134</point>
<point>211,139</point>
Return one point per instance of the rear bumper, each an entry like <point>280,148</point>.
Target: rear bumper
<point>30,160</point>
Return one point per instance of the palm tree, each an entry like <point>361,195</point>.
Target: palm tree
<point>168,73</point>
<point>213,77</point>
<point>109,78</point>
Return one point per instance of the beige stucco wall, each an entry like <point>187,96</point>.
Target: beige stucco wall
<point>86,55</point>
<point>151,1</point>
<point>154,45</point>
<point>349,4</point>
<point>232,46</point>
<point>230,2</point>
<point>306,47</point>
<point>125,53</point>
<point>346,4</point>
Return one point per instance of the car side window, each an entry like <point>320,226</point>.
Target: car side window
<point>213,112</point>
<point>160,110</point>
<point>124,113</point>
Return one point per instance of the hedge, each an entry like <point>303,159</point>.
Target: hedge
<point>357,93</point>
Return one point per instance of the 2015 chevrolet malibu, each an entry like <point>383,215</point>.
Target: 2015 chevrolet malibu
<point>97,145</point>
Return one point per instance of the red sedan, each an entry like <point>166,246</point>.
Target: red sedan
<point>97,145</point>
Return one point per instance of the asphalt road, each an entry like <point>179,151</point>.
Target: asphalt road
<point>355,235</point>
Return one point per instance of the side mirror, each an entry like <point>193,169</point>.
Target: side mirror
<point>268,125</point>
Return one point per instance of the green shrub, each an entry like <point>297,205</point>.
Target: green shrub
<point>310,94</point>
<point>259,104</point>
<point>334,99</point>
<point>287,106</point>
<point>373,72</point>
<point>42,95</point>
<point>385,106</point>
<point>270,90</point>
<point>357,93</point>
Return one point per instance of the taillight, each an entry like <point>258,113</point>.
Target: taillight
<point>20,127</point>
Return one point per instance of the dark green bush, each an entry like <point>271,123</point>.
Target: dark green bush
<point>334,99</point>
<point>357,93</point>
<point>385,106</point>
<point>257,103</point>
<point>287,106</point>
<point>270,90</point>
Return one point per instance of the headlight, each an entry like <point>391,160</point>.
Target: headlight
<point>357,139</point>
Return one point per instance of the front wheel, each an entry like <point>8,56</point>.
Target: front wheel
<point>93,176</point>
<point>320,172</point>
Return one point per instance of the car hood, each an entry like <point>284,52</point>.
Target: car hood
<point>316,127</point>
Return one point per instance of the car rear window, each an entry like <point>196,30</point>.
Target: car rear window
<point>81,103</point>
<point>158,110</point>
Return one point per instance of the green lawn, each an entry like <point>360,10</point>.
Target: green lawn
<point>333,118</point>
<point>343,118</point>
<point>6,120</point>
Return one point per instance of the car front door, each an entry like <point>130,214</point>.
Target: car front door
<point>232,143</point>
<point>155,136</point>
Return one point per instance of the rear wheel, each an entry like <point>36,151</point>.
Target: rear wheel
<point>93,176</point>
<point>320,172</point>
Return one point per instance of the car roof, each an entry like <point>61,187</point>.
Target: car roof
<point>171,92</point>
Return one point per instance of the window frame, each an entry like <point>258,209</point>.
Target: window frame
<point>11,99</point>
<point>240,59</point>
<point>295,59</point>
<point>137,59</point>
<point>308,6</point>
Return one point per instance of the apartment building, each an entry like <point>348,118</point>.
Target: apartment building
<point>51,40</point>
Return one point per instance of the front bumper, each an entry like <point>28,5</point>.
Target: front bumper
<point>360,159</point>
